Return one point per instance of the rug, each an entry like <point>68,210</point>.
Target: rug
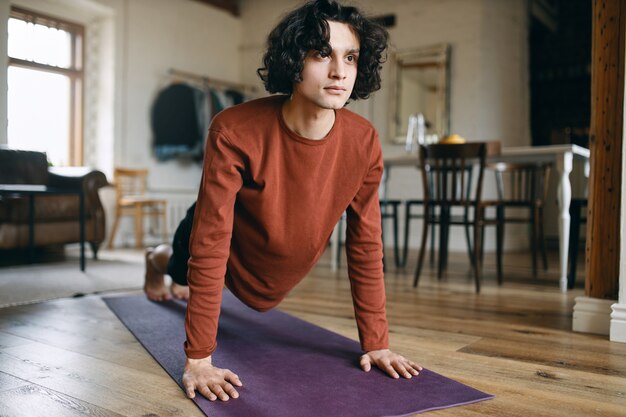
<point>26,284</point>
<point>289,367</point>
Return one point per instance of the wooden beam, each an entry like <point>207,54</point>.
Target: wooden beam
<point>606,146</point>
<point>231,6</point>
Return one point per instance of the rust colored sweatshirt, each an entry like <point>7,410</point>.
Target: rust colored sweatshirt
<point>267,205</point>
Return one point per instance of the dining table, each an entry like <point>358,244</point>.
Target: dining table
<point>562,156</point>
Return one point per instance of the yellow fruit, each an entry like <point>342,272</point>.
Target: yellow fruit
<point>452,139</point>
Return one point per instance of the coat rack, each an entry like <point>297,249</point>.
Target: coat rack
<point>212,82</point>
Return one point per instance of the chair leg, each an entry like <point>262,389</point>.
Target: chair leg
<point>339,232</point>
<point>418,270</point>
<point>396,251</point>
<point>164,225</point>
<point>470,252</point>
<point>94,249</point>
<point>541,239</point>
<point>116,223</point>
<point>407,221</point>
<point>533,240</point>
<point>499,241</point>
<point>432,238</point>
<point>446,244</point>
<point>138,226</point>
<point>443,240</point>
<point>477,248</point>
<point>482,239</point>
<point>382,238</point>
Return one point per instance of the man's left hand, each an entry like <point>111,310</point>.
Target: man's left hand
<point>392,363</point>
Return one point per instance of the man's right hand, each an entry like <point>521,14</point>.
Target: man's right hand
<point>210,381</point>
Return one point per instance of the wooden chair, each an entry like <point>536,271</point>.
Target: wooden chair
<point>447,184</point>
<point>520,186</point>
<point>411,214</point>
<point>131,200</point>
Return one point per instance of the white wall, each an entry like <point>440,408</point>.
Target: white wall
<point>164,34</point>
<point>504,93</point>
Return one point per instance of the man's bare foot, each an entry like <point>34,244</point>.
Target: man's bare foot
<point>180,292</point>
<point>154,285</point>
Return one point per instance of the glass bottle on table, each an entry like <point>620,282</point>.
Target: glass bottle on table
<point>416,133</point>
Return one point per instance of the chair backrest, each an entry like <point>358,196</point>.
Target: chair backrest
<point>524,183</point>
<point>447,171</point>
<point>130,182</point>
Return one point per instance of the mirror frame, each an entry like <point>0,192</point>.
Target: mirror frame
<point>431,55</point>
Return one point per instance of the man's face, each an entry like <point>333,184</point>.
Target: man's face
<point>327,81</point>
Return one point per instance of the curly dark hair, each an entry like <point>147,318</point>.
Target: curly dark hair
<point>306,29</point>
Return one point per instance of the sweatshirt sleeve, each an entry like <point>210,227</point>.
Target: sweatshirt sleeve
<point>209,244</point>
<point>365,254</point>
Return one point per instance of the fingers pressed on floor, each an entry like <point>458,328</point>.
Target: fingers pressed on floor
<point>392,372</point>
<point>233,378</point>
<point>401,369</point>
<point>230,390</point>
<point>207,393</point>
<point>217,390</point>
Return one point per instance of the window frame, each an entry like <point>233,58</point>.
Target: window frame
<point>75,73</point>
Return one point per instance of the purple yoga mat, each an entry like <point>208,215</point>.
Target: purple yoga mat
<point>289,368</point>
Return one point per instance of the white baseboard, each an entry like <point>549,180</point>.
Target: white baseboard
<point>618,323</point>
<point>592,315</point>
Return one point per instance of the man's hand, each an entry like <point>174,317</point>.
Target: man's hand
<point>210,381</point>
<point>391,363</point>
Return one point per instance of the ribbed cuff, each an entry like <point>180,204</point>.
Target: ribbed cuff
<point>370,348</point>
<point>199,353</point>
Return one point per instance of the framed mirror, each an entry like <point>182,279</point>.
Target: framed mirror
<point>421,84</point>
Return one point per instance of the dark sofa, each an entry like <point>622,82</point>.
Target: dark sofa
<point>56,216</point>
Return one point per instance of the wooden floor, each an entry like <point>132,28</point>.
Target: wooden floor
<point>73,357</point>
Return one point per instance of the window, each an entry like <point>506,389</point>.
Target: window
<point>45,81</point>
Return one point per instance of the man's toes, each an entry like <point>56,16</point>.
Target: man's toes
<point>157,293</point>
<point>179,292</point>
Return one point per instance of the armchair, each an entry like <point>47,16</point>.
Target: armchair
<point>56,216</point>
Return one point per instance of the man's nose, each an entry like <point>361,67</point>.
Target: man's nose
<point>337,69</point>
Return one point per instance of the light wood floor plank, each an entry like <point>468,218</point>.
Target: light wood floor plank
<point>8,382</point>
<point>9,340</point>
<point>120,389</point>
<point>42,402</point>
<point>86,328</point>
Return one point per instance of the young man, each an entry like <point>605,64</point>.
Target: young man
<point>278,174</point>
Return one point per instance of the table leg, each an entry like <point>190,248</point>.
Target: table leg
<point>334,247</point>
<point>81,197</point>
<point>384,182</point>
<point>563,168</point>
<point>31,227</point>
